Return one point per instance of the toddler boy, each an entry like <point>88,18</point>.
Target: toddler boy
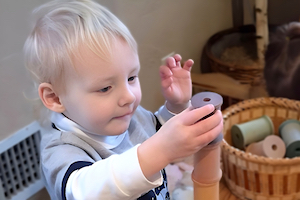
<point>104,145</point>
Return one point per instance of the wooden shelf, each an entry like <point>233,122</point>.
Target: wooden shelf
<point>227,86</point>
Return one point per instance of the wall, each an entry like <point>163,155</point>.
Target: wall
<point>15,110</point>
<point>160,27</point>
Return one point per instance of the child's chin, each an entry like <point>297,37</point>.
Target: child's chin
<point>120,130</point>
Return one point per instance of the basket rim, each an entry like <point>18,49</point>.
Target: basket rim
<point>258,102</point>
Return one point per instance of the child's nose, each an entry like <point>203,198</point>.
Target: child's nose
<point>127,96</point>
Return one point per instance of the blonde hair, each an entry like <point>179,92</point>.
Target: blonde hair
<point>60,27</point>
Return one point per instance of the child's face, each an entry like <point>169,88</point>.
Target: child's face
<point>102,96</point>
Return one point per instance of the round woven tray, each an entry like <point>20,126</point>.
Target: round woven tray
<point>255,177</point>
<point>244,37</point>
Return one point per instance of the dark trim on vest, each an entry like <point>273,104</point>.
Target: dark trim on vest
<point>53,126</point>
<point>158,124</point>
<point>73,167</point>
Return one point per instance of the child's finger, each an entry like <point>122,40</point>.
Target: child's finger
<point>193,116</point>
<point>209,123</point>
<point>165,72</point>
<point>165,76</point>
<point>188,65</point>
<point>177,57</point>
<point>171,62</point>
<point>212,134</point>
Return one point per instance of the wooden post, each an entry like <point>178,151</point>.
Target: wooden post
<point>262,31</point>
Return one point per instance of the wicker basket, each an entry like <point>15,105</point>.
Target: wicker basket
<point>243,36</point>
<point>255,177</point>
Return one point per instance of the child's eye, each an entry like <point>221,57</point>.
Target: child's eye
<point>132,78</point>
<point>105,89</point>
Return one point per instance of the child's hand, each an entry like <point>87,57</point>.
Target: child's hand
<point>176,83</point>
<point>179,137</point>
<point>184,135</point>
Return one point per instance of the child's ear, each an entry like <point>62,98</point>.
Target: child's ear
<point>50,98</point>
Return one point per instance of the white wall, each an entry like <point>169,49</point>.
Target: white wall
<point>159,26</point>
<point>15,110</point>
